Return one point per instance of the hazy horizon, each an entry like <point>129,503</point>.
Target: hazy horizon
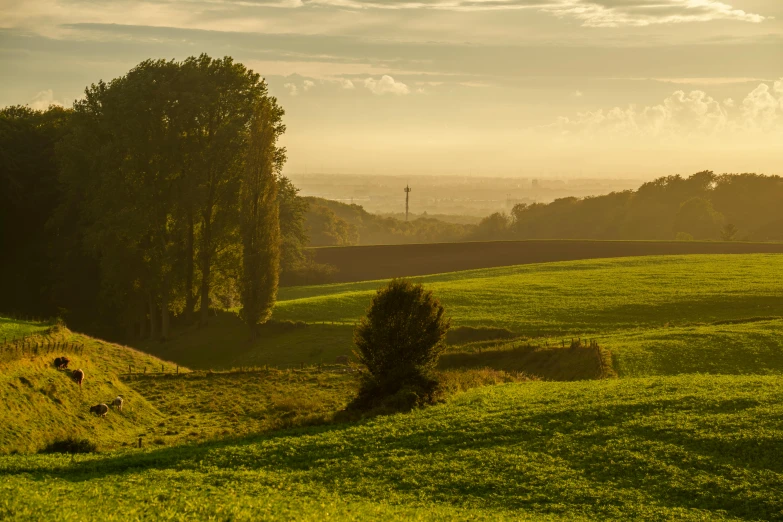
<point>532,88</point>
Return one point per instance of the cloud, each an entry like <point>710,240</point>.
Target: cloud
<point>760,108</point>
<point>291,88</point>
<point>43,100</point>
<point>684,114</point>
<point>577,94</point>
<point>56,17</point>
<point>385,85</point>
<point>594,13</point>
<point>307,85</point>
<point>346,84</point>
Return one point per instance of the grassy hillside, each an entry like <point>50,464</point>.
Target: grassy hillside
<point>631,305</point>
<point>39,403</point>
<point>686,448</point>
<point>741,348</point>
<point>164,404</point>
<point>577,297</point>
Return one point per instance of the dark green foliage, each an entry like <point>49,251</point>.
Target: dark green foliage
<point>28,194</point>
<point>151,174</point>
<point>751,202</point>
<point>697,218</point>
<point>399,341</point>
<point>70,445</point>
<point>260,226</point>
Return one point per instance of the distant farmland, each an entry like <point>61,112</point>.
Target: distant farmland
<point>362,263</point>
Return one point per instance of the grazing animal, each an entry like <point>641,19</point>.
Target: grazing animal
<point>341,359</point>
<point>100,409</point>
<point>117,402</point>
<point>78,377</point>
<point>61,363</point>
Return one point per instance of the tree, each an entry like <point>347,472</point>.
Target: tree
<point>697,218</point>
<point>260,214</point>
<point>28,195</point>
<point>494,226</point>
<point>121,171</point>
<point>221,97</point>
<point>327,229</point>
<point>399,341</point>
<point>293,234</point>
<point>728,232</point>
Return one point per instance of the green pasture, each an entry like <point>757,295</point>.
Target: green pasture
<point>576,297</point>
<point>39,403</point>
<point>11,329</point>
<point>549,302</point>
<point>688,448</point>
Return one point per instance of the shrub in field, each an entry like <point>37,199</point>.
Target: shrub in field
<point>70,445</point>
<point>399,342</point>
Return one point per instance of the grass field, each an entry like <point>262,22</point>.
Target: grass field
<point>39,403</point>
<point>17,328</point>
<point>686,448</point>
<point>676,414</point>
<point>600,299</point>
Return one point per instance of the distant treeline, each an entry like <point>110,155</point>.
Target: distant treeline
<point>747,207</point>
<point>703,206</point>
<point>332,223</point>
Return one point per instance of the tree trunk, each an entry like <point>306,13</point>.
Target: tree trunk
<point>142,320</point>
<point>206,261</point>
<point>153,317</point>
<point>190,299</point>
<point>164,311</point>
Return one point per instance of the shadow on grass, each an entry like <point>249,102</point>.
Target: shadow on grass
<point>226,343</point>
<point>549,363</point>
<point>580,439</point>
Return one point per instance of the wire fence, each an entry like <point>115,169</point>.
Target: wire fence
<point>33,345</point>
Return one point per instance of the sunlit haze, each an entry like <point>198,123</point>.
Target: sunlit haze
<point>529,88</point>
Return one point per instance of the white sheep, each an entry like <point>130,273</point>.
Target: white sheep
<point>117,403</point>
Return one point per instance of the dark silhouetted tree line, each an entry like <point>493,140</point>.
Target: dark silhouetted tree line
<point>158,195</point>
<point>703,206</point>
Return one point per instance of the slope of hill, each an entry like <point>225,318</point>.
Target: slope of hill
<point>578,297</point>
<point>39,403</point>
<point>656,315</point>
<point>686,448</point>
<point>336,223</point>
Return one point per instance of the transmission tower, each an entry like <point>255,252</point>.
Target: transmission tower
<point>407,192</point>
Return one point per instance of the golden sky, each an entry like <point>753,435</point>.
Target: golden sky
<point>613,88</point>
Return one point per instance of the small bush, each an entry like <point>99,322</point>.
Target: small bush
<point>70,445</point>
<point>399,342</point>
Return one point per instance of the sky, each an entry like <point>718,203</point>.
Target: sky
<point>542,88</point>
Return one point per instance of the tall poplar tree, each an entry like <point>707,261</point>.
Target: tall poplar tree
<point>260,224</point>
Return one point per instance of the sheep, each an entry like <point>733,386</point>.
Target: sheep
<point>100,409</point>
<point>117,402</point>
<point>61,363</point>
<point>78,376</point>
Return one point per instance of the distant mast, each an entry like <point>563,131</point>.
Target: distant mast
<point>407,192</point>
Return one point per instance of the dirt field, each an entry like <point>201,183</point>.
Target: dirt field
<point>361,263</point>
